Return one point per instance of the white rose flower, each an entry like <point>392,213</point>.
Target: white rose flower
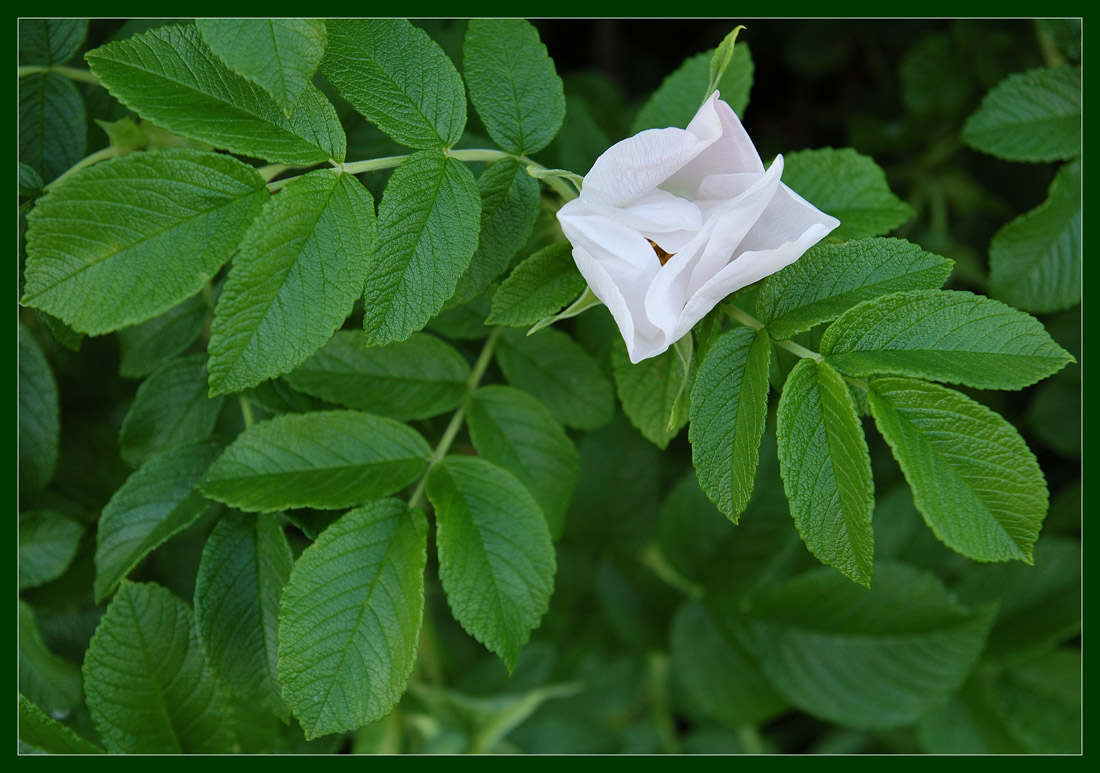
<point>671,221</point>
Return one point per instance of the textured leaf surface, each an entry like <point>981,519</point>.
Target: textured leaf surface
<point>149,689</point>
<point>143,347</point>
<point>496,561</point>
<point>50,41</point>
<point>39,415</point>
<point>47,545</point>
<point>399,78</point>
<point>863,658</point>
<point>41,731</point>
<point>831,278</point>
<point>849,186</point>
<point>351,616</point>
<point>300,268</point>
<point>512,429</point>
<point>326,460</point>
<point>154,503</point>
<point>556,370</point>
<point>649,390</point>
<point>427,232</point>
<point>171,77</point>
<point>1035,261</point>
<point>729,404</point>
<point>280,55</point>
<point>1030,116</point>
<point>146,230</point>
<point>413,379</point>
<point>52,134</point>
<point>943,335</point>
<point>171,407</point>
<point>47,680</point>
<point>538,287</point>
<point>680,95</point>
<point>244,566</point>
<point>974,479</point>
<point>826,469</point>
<point>513,83</point>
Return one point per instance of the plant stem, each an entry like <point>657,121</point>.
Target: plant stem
<point>658,694</point>
<point>738,315</point>
<point>94,158</point>
<point>72,73</point>
<point>750,739</point>
<point>246,411</point>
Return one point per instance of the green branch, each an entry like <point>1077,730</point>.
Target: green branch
<point>72,73</point>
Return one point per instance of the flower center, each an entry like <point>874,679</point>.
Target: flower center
<point>661,254</point>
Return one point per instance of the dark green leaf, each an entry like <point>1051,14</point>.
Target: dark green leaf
<point>49,681</point>
<point>47,545</point>
<point>50,41</point>
<point>649,390</point>
<point>44,733</point>
<point>680,95</point>
<point>143,347</point>
<point>52,134</point>
<point>39,415</point>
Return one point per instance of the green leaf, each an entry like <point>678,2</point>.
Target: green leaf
<point>691,534</point>
<point>849,186</point>
<point>413,379</point>
<point>146,230</point>
<point>465,322</point>
<point>144,347</point>
<point>512,429</point>
<point>280,55</point>
<point>538,287</point>
<point>509,207</point>
<point>1030,116</point>
<point>294,281</point>
<point>863,658</point>
<point>277,397</point>
<point>648,391</point>
<point>171,407</point>
<point>678,99</point>
<point>50,41</point>
<point>47,545</point>
<point>513,83</point>
<point>826,469</point>
<point>496,560</point>
<point>169,76</point>
<point>945,335</point>
<point>974,479</point>
<point>156,502</point>
<point>149,688</point>
<point>46,679</point>
<point>427,232</point>
<point>555,369</point>
<point>39,415</point>
<point>244,566</point>
<point>1042,703</point>
<point>1035,261</point>
<point>350,619</point>
<point>52,132</point>
<point>326,460</point>
<point>729,404</point>
<point>41,731</point>
<point>832,277</point>
<point>720,59</point>
<point>399,78</point>
<point>30,184</point>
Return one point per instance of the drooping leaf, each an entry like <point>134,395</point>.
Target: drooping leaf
<point>39,415</point>
<point>428,225</point>
<point>49,681</point>
<point>52,134</point>
<point>680,95</point>
<point>47,545</point>
<point>496,560</point>
<point>974,480</point>
<point>538,287</point>
<point>149,689</point>
<point>945,335</point>
<point>143,347</point>
<point>294,281</point>
<point>50,41</point>
<point>146,230</point>
<point>42,732</point>
<point>350,618</point>
<point>648,391</point>
<point>168,75</point>
<point>325,460</point>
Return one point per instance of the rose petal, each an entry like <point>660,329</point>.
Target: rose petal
<point>732,153</point>
<point>657,212</point>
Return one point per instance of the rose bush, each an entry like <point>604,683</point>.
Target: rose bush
<point>671,221</point>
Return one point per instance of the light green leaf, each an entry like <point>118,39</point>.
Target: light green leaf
<point>496,560</point>
<point>156,502</point>
<point>648,391</point>
<point>1030,116</point>
<point>512,429</point>
<point>849,186</point>
<point>52,131</point>
<point>326,460</point>
<point>974,479</point>
<point>171,407</point>
<point>280,55</point>
<point>399,78</point>
<point>50,41</point>
<point>294,281</point>
<point>945,335</point>
<point>149,689</point>
<point>49,681</point>
<point>413,379</point>
<point>538,287</point>
<point>832,277</point>
<point>146,230</point>
<point>427,232</point>
<point>729,403</point>
<point>350,619</point>
<point>863,658</point>
<point>143,347</point>
<point>47,545</point>
<point>44,733</point>
<point>513,83</point>
<point>677,100</point>
<point>826,469</point>
<point>39,415</point>
<point>1035,261</point>
<point>244,566</point>
<point>720,59</point>
<point>168,75</point>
